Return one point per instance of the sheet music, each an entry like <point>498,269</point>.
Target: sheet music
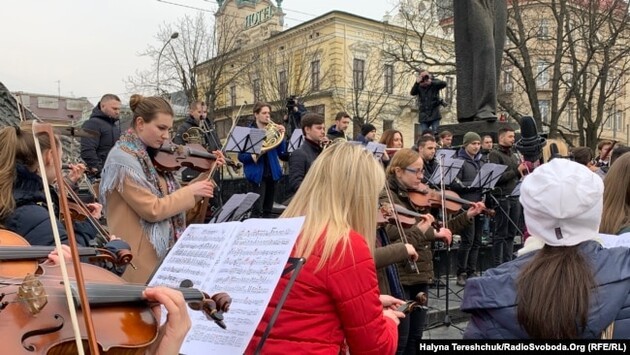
<point>244,259</point>
<point>377,149</point>
<point>488,175</point>
<point>615,241</point>
<point>297,137</point>
<point>447,153</point>
<point>451,169</point>
<point>246,140</point>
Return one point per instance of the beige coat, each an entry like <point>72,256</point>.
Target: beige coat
<point>127,206</point>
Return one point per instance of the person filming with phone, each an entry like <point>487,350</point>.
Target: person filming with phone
<point>427,89</point>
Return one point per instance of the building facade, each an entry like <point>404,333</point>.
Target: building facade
<point>335,62</point>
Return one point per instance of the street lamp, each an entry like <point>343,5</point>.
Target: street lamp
<point>173,36</point>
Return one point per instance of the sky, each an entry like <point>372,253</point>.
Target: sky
<point>85,48</point>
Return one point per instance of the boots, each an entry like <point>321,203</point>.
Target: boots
<point>461,279</point>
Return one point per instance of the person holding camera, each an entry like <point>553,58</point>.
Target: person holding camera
<point>427,88</point>
<point>295,110</point>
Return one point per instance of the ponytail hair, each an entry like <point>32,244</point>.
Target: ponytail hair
<point>19,148</point>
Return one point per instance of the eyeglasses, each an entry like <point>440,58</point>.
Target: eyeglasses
<point>417,171</point>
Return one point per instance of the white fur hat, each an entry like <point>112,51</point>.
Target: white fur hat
<point>562,202</point>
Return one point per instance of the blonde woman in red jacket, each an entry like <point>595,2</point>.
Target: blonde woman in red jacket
<point>334,304</point>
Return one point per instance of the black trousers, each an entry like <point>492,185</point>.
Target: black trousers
<point>507,216</point>
<point>468,251</point>
<point>264,205</point>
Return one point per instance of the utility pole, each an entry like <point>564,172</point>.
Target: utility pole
<point>58,88</point>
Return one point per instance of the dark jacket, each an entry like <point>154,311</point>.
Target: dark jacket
<point>94,150</point>
<point>429,100</point>
<point>188,123</point>
<point>466,176</point>
<point>333,133</point>
<point>429,168</point>
<point>254,169</point>
<point>491,298</point>
<point>30,218</point>
<point>420,241</point>
<point>300,161</point>
<point>505,156</point>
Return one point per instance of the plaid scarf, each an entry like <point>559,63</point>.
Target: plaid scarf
<point>129,158</point>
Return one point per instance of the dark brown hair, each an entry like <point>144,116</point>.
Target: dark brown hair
<point>616,210</point>
<point>148,107</point>
<point>388,137</point>
<point>445,134</point>
<point>310,119</point>
<point>259,106</point>
<point>422,141</point>
<point>341,115</point>
<point>109,97</point>
<point>553,293</point>
<point>582,155</point>
<point>504,130</point>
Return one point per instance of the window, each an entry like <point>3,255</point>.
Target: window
<point>610,118</point>
<point>543,105</point>
<point>283,85</point>
<point>543,29</point>
<point>542,80</point>
<point>450,87</point>
<point>315,75</point>
<point>48,102</point>
<point>388,124</point>
<point>508,83</point>
<point>256,87</point>
<point>619,121</point>
<point>389,79</point>
<point>233,95</point>
<point>571,115</point>
<point>358,73</point>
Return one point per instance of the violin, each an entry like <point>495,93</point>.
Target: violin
<point>37,312</point>
<point>172,157</point>
<point>425,197</point>
<point>18,257</point>
<point>407,218</point>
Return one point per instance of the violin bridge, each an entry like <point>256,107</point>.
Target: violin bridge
<point>32,294</point>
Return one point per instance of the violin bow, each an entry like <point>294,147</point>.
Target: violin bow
<point>401,230</point>
<point>204,201</point>
<point>46,128</point>
<point>104,236</point>
<point>443,196</point>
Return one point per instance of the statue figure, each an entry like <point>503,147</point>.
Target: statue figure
<point>480,27</point>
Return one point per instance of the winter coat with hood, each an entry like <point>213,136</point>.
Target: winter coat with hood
<point>491,298</point>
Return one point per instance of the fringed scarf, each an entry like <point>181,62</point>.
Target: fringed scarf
<point>129,159</point>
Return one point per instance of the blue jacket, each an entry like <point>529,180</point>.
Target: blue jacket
<point>254,170</point>
<point>491,299</point>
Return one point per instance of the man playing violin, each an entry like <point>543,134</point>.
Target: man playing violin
<point>315,139</point>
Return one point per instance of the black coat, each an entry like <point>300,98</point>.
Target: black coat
<point>188,124</point>
<point>30,218</point>
<point>94,150</point>
<point>466,176</point>
<point>505,156</point>
<point>300,161</point>
<point>429,100</point>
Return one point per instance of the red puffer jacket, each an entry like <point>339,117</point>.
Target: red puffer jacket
<point>338,302</point>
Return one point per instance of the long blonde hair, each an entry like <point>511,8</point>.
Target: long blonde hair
<point>563,149</point>
<point>616,211</point>
<point>339,193</point>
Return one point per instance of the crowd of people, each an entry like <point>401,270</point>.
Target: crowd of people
<point>358,273</point>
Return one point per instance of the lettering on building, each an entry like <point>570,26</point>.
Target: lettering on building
<point>259,17</point>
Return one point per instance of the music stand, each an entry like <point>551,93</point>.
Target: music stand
<point>246,140</point>
<point>235,207</point>
<point>296,140</point>
<point>294,265</point>
<point>377,149</point>
<point>451,169</point>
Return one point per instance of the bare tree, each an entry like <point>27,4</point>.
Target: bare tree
<point>202,49</point>
<point>372,89</point>
<point>564,52</point>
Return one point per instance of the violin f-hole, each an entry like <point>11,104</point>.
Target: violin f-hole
<point>43,331</point>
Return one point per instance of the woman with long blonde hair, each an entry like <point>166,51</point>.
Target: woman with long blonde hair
<point>335,299</point>
<point>616,212</point>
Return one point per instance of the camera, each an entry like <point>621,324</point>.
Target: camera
<point>425,78</point>
<point>291,102</point>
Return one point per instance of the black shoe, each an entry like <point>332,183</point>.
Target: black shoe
<point>461,280</point>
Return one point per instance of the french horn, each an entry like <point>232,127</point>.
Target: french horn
<point>273,137</point>
<point>194,135</point>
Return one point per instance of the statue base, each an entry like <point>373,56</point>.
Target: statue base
<point>480,127</point>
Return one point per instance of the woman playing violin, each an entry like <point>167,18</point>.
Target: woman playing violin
<point>404,174</point>
<point>146,204</point>
<point>23,206</point>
